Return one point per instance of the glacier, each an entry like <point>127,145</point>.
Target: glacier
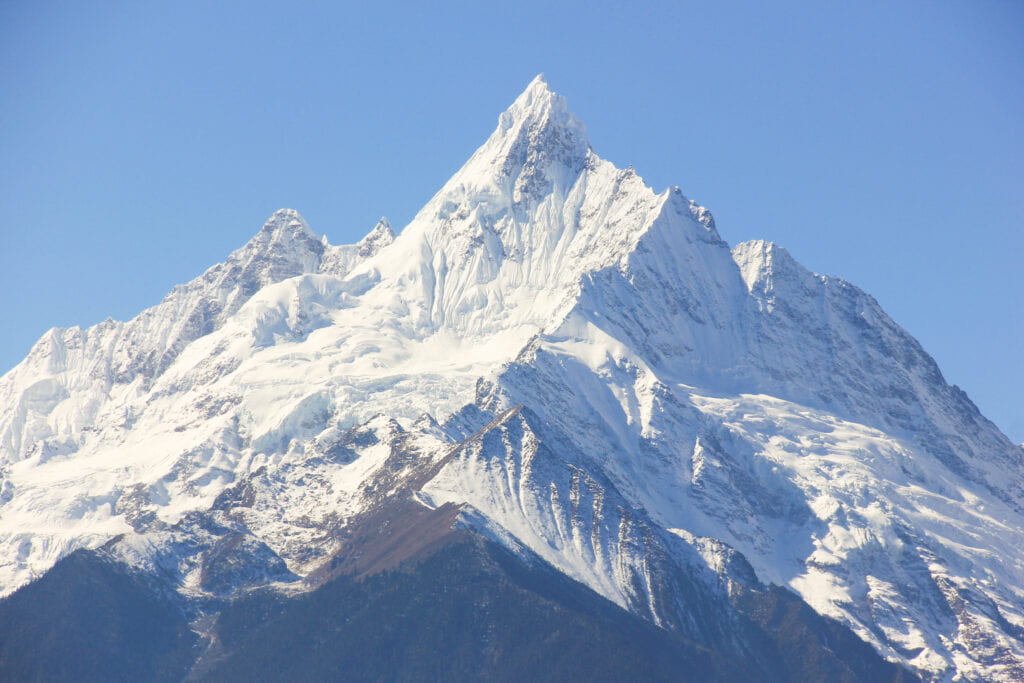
<point>580,364</point>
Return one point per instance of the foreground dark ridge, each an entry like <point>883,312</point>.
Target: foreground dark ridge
<point>463,608</point>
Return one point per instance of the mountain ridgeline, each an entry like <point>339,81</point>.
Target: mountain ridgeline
<point>556,428</point>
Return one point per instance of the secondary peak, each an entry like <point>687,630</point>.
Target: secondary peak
<point>381,236</point>
<point>286,221</point>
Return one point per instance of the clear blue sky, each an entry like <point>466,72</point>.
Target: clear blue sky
<point>878,141</point>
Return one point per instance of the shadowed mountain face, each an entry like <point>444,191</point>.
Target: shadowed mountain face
<point>93,619</point>
<point>428,602</point>
<point>611,406</point>
<point>466,608</point>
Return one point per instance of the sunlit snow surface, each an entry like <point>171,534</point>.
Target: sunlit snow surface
<point>666,382</point>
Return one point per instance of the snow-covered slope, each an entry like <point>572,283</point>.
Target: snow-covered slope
<point>580,362</point>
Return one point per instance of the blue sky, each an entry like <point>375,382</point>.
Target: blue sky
<point>881,142</point>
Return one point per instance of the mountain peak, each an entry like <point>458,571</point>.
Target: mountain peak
<point>537,95</point>
<point>539,105</point>
<point>538,145</point>
<point>381,236</point>
<point>762,262</point>
<point>284,227</point>
<point>617,399</point>
<point>285,220</point>
<point>284,238</point>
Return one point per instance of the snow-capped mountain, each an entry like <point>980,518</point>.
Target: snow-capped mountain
<point>581,368</point>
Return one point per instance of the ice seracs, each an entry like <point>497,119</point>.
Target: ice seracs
<point>579,361</point>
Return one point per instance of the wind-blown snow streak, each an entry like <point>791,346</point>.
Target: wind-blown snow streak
<point>653,398</point>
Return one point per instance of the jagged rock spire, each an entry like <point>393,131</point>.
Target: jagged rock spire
<point>381,236</point>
